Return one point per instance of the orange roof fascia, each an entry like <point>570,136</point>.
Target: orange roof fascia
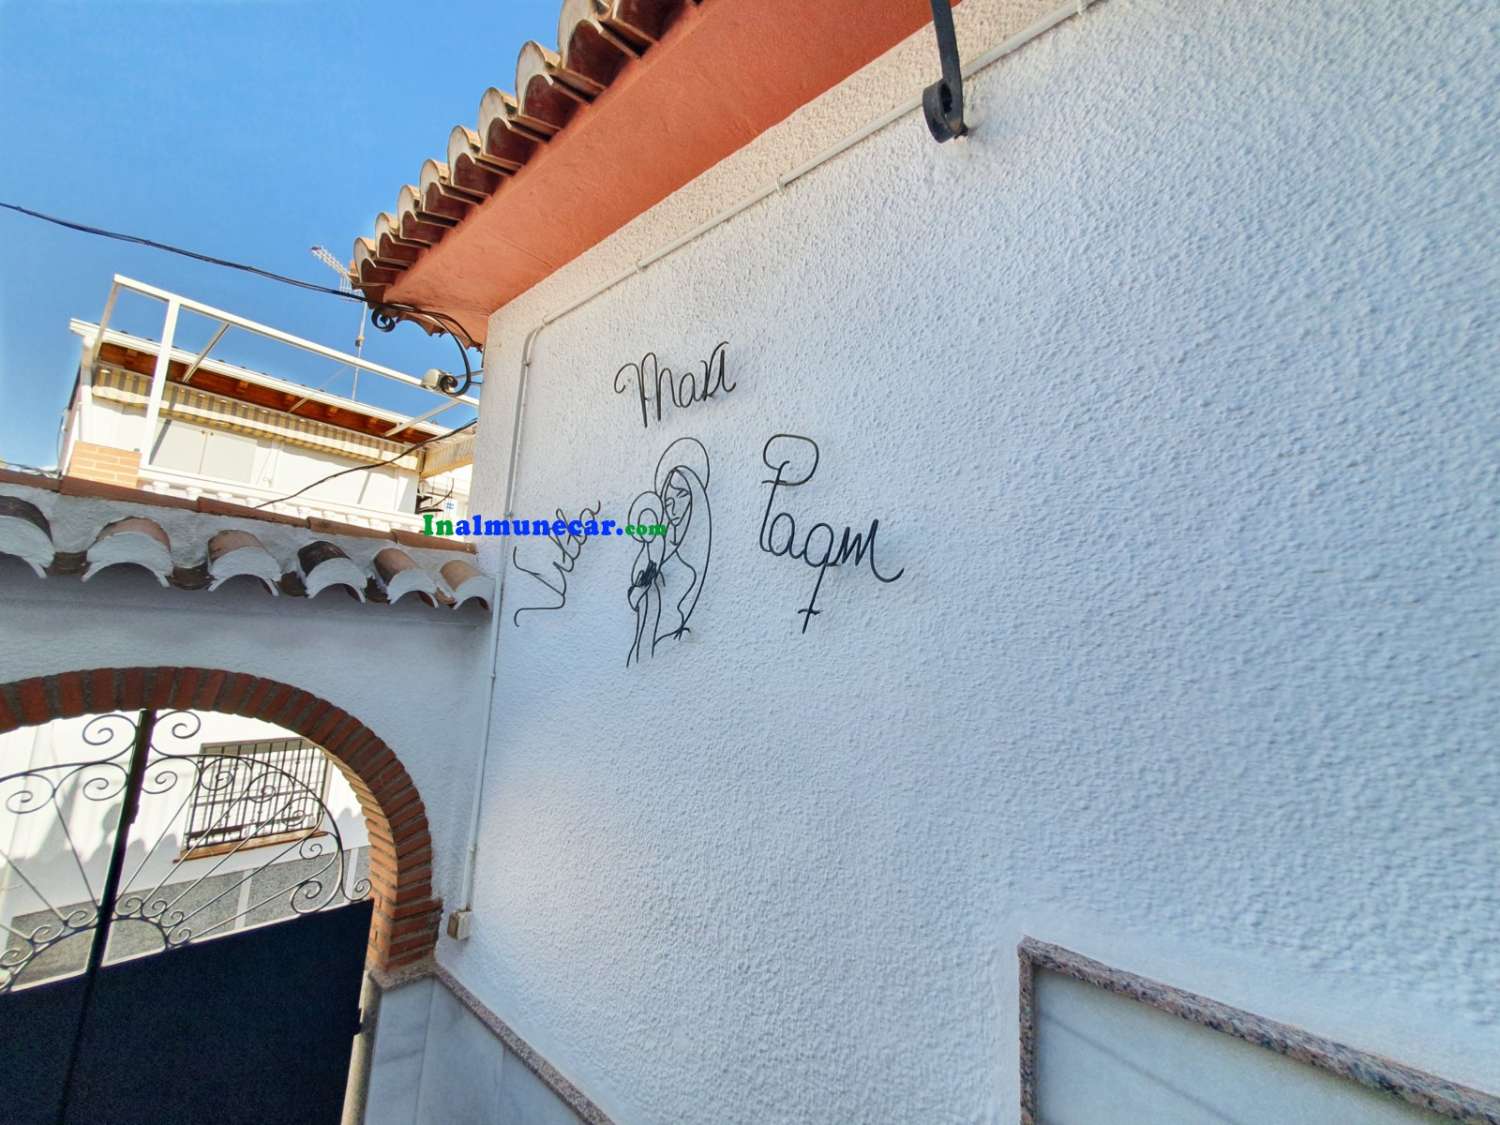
<point>721,75</point>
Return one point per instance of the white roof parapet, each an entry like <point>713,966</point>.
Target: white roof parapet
<point>70,528</point>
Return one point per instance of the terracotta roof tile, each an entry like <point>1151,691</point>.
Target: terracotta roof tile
<point>30,480</point>
<point>637,99</point>
<point>437,542</point>
<point>596,40</point>
<point>333,527</point>
<point>97,490</point>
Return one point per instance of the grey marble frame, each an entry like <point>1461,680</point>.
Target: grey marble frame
<point>1426,1091</point>
<point>575,1099</point>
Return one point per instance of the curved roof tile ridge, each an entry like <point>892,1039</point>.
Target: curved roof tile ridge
<point>415,222</point>
<point>233,553</point>
<point>470,168</point>
<point>324,564</point>
<point>402,575</point>
<point>466,581</point>
<point>544,91</point>
<point>26,534</point>
<point>67,527</point>
<point>589,47</point>
<point>596,40</point>
<point>505,141</point>
<point>132,541</point>
<point>439,196</point>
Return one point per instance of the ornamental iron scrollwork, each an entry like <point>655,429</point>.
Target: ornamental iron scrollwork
<point>386,316</point>
<point>147,773</point>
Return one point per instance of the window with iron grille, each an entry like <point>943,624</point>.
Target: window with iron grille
<point>253,793</point>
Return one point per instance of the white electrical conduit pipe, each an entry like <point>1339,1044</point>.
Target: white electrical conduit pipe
<point>973,66</point>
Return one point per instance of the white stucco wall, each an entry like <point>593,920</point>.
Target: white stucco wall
<point>1173,389</point>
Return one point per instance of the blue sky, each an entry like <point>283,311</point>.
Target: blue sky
<point>249,131</point>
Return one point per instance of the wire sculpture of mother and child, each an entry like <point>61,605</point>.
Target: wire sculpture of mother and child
<point>667,574</point>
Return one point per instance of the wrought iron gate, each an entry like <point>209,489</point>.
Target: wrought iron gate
<point>159,1025</point>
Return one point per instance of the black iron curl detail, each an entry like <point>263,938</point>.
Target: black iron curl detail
<point>943,101</point>
<point>386,316</point>
<point>183,724</point>
<point>98,779</point>
<point>263,794</point>
<point>666,578</point>
<point>102,730</point>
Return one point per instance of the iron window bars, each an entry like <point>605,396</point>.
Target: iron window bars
<point>255,806</point>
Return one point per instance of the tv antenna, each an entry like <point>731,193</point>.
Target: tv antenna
<point>324,255</point>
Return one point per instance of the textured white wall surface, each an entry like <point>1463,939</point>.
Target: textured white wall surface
<point>1173,389</point>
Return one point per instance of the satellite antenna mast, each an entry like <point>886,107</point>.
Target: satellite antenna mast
<point>323,255</point>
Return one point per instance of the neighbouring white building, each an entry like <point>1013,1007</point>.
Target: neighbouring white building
<point>245,437</point>
<point>1067,690</point>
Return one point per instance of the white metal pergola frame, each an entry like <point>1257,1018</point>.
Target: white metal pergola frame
<point>177,304</point>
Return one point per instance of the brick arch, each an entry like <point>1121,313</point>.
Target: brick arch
<point>405,922</point>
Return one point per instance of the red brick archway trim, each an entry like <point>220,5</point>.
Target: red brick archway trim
<point>406,916</point>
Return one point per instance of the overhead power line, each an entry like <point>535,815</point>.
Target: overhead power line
<point>137,240</point>
<point>445,322</point>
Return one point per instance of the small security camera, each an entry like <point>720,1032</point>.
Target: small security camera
<point>438,380</point>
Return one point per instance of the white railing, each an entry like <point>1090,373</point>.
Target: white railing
<point>190,487</point>
<point>176,305</point>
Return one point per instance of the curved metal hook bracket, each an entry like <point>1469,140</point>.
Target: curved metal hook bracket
<point>385,317</point>
<point>943,101</point>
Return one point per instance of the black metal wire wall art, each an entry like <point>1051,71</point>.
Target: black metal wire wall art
<point>794,460</point>
<point>667,574</point>
<point>569,547</point>
<point>683,390</point>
